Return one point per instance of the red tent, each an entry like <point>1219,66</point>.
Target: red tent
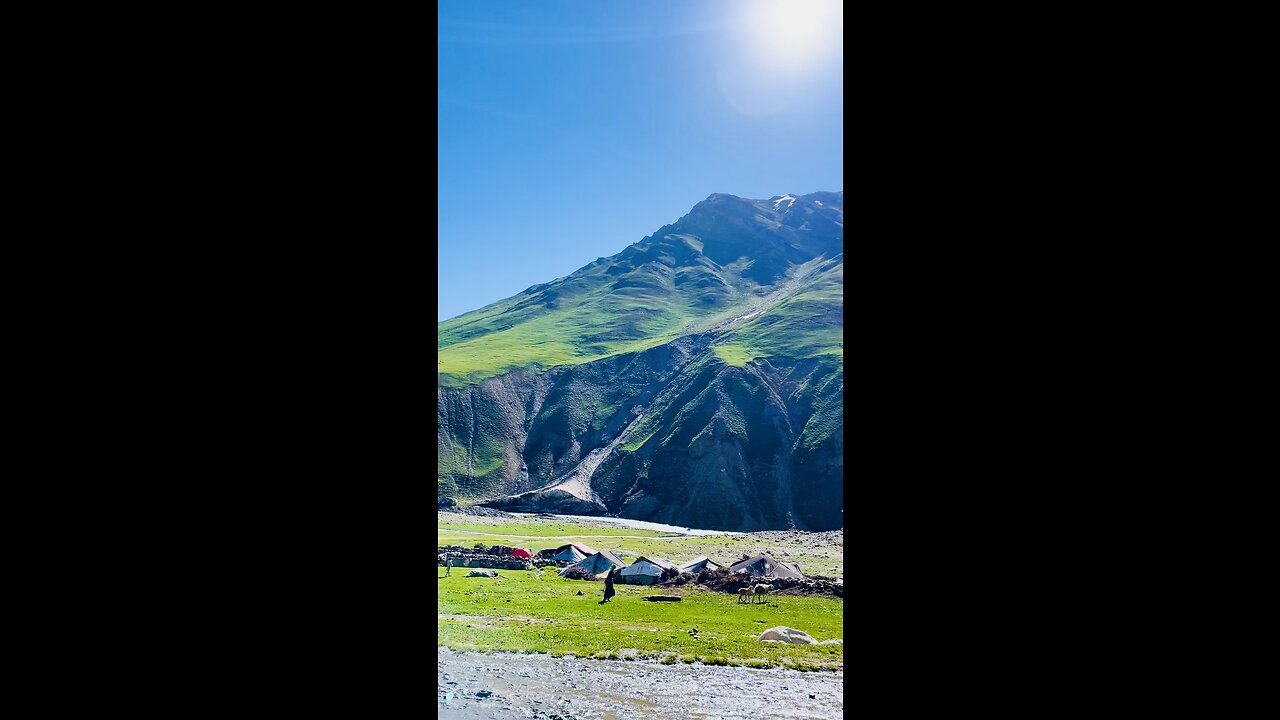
<point>521,553</point>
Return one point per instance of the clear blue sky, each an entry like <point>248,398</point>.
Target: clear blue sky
<point>569,130</point>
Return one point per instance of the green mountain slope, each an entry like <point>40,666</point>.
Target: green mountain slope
<point>694,378</point>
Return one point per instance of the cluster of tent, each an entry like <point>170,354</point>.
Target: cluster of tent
<point>647,571</point>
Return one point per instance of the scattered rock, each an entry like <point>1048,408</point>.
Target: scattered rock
<point>479,511</point>
<point>782,633</point>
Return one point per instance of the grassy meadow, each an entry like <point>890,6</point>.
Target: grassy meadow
<point>520,612</point>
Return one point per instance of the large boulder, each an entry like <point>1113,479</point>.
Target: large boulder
<point>785,634</point>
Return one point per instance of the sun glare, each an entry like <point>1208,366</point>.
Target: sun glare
<point>783,54</point>
<point>794,32</point>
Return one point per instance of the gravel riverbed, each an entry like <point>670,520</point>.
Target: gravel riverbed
<point>505,685</point>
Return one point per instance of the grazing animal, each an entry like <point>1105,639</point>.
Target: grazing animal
<point>761,591</point>
<point>744,593</point>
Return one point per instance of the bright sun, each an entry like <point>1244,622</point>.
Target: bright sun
<point>784,53</point>
<point>794,33</point>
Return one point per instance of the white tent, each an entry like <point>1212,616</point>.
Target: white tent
<point>645,571</point>
<point>597,564</point>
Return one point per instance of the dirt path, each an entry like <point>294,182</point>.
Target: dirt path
<point>505,685</point>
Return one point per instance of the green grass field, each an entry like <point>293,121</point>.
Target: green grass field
<point>565,322</point>
<point>732,353</point>
<point>519,612</point>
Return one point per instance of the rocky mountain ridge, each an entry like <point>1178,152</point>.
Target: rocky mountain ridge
<point>696,378</point>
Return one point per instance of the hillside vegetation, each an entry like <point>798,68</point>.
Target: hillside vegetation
<point>696,378</point>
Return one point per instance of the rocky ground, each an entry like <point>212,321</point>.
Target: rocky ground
<point>828,537</point>
<point>722,581</point>
<point>465,514</point>
<point>477,511</point>
<point>495,556</point>
<point>504,685</point>
<point>818,553</point>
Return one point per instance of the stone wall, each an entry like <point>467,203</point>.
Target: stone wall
<point>481,558</point>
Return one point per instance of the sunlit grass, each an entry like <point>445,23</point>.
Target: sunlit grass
<point>519,612</point>
<point>733,353</point>
<point>588,316</point>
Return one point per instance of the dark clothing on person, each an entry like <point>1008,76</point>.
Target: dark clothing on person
<point>608,586</point>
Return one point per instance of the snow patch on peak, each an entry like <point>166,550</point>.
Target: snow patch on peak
<point>785,198</point>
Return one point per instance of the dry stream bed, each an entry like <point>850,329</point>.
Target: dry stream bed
<point>507,685</point>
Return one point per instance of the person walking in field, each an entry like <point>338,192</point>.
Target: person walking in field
<point>608,586</point>
<point>448,566</point>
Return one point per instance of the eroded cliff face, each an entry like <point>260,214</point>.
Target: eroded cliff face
<point>727,448</point>
<point>546,422</point>
<point>481,432</point>
<point>672,435</point>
